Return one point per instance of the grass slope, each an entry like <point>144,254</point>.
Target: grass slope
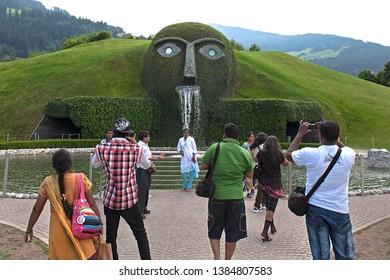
<point>112,68</point>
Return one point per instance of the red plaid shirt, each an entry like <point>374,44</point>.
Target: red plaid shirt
<point>119,158</point>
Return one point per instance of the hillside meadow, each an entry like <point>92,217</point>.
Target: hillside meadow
<point>111,68</point>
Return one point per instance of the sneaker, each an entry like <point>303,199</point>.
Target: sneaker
<point>263,206</point>
<point>256,210</point>
<point>146,211</point>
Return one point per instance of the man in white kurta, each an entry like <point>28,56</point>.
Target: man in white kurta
<point>189,168</point>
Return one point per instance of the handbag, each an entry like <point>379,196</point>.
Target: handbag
<point>104,250</point>
<point>206,187</point>
<point>257,171</point>
<point>85,223</point>
<point>298,201</point>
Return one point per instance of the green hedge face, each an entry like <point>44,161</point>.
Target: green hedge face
<point>189,54</point>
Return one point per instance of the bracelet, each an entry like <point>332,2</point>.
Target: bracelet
<point>28,231</point>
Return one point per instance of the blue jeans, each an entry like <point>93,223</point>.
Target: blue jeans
<point>191,176</point>
<point>324,226</point>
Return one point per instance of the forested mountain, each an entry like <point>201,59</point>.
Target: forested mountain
<point>27,26</point>
<point>342,54</point>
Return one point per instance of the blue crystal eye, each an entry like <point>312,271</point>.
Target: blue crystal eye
<point>211,52</point>
<point>168,50</point>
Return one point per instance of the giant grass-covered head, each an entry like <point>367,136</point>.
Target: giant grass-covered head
<point>189,55</point>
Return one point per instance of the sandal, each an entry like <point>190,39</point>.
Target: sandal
<point>266,238</point>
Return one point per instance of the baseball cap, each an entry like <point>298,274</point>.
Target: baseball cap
<point>123,126</point>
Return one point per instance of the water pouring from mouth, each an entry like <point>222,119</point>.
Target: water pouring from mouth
<point>190,99</point>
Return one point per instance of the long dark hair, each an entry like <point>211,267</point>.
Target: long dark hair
<point>62,163</point>
<point>272,148</point>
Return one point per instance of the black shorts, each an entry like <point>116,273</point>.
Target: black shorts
<point>228,215</point>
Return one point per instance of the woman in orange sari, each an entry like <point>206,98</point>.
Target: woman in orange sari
<point>60,190</point>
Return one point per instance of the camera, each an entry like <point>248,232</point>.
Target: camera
<point>313,126</point>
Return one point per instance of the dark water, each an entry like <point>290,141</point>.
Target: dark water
<point>374,178</point>
<point>27,172</point>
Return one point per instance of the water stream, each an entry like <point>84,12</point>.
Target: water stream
<point>190,99</point>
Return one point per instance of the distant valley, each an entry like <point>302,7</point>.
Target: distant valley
<point>342,54</point>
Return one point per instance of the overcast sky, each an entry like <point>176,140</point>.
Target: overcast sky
<point>358,19</point>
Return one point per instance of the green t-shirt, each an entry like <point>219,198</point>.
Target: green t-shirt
<point>233,160</point>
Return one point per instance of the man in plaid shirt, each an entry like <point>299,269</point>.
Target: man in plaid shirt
<point>119,158</point>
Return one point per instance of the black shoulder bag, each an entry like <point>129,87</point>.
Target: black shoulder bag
<point>206,187</point>
<point>298,201</point>
<point>258,169</point>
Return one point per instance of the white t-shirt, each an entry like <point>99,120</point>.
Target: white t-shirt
<point>332,194</point>
<point>147,153</point>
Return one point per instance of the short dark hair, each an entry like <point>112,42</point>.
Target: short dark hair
<point>107,129</point>
<point>249,134</point>
<point>259,139</point>
<point>231,130</point>
<point>330,130</point>
<point>118,134</point>
<point>142,134</point>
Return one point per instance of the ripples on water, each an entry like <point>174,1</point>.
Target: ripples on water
<point>26,173</point>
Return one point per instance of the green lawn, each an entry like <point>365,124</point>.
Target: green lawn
<point>112,68</point>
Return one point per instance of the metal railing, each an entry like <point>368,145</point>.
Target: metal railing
<point>168,173</point>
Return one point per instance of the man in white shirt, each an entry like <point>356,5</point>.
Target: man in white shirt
<point>144,172</point>
<point>327,217</point>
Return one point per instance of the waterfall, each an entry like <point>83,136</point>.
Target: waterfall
<point>190,97</point>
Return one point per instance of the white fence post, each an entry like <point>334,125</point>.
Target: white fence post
<point>289,177</point>
<point>5,174</point>
<point>361,173</point>
<point>90,166</point>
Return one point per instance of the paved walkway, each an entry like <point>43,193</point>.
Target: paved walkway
<point>177,227</point>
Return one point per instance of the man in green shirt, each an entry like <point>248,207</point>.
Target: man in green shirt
<point>226,209</point>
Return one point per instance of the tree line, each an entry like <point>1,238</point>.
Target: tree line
<point>27,31</point>
<point>382,77</point>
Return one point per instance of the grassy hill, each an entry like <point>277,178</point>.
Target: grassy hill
<point>112,68</point>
